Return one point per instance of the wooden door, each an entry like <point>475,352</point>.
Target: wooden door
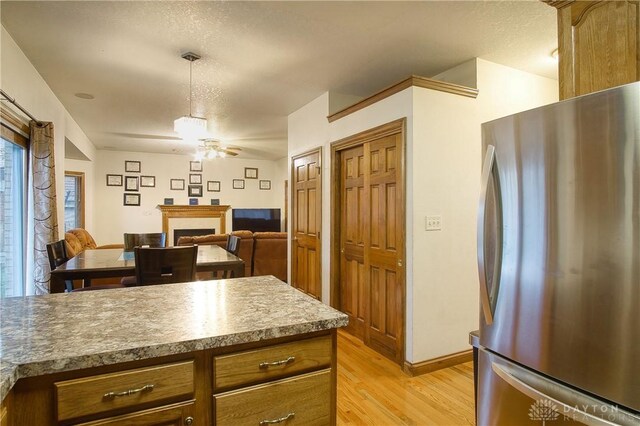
<point>383,241</point>
<point>370,232</point>
<point>306,184</point>
<point>352,289</point>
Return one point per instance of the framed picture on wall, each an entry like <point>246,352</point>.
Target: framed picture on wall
<point>131,199</point>
<point>168,201</point>
<point>148,181</point>
<point>131,183</point>
<point>250,173</point>
<point>195,179</point>
<point>213,186</point>
<point>114,180</point>
<point>265,184</point>
<point>215,201</point>
<point>195,190</point>
<point>132,166</point>
<point>195,166</point>
<point>177,184</point>
<point>193,201</point>
<point>238,184</point>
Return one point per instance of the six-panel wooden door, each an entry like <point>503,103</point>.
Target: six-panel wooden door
<point>371,237</point>
<point>306,183</point>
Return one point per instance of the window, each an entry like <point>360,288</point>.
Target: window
<point>13,198</point>
<point>73,200</point>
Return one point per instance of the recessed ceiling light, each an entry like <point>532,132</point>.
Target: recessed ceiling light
<point>84,96</point>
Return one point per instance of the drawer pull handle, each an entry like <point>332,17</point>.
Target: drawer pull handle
<point>145,388</point>
<point>275,363</point>
<point>280,420</point>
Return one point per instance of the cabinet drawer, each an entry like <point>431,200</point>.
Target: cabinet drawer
<point>99,394</point>
<point>304,399</point>
<point>274,362</point>
<point>168,415</point>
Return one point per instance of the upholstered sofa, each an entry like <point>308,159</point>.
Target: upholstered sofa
<point>267,250</point>
<point>270,254</point>
<point>78,240</point>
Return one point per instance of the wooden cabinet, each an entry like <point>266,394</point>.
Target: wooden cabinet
<point>251,382</point>
<point>5,407</point>
<point>108,392</point>
<point>273,362</point>
<point>303,399</point>
<point>302,395</point>
<point>171,415</point>
<point>598,45</point>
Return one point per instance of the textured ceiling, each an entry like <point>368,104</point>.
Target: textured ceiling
<point>260,60</point>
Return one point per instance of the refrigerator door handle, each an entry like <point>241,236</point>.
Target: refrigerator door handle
<point>487,168</point>
<point>568,401</point>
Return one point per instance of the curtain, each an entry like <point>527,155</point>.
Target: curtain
<point>45,214</point>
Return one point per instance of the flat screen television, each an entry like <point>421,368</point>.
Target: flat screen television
<point>256,220</point>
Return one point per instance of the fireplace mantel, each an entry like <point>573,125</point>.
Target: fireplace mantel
<point>171,211</point>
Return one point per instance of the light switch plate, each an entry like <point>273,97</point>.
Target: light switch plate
<point>433,223</point>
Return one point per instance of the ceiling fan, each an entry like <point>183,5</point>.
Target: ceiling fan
<point>212,148</point>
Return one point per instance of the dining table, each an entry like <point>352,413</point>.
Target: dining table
<point>115,262</point>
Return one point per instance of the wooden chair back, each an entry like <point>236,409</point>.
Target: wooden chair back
<point>154,239</point>
<point>165,265</point>
<point>57,253</point>
<point>233,244</point>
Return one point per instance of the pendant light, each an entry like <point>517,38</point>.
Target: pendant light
<point>188,126</point>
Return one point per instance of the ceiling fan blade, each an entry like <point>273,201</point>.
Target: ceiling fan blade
<point>143,136</point>
<point>227,152</point>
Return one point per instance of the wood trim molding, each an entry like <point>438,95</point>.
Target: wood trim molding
<point>12,122</point>
<point>215,212</point>
<point>439,363</point>
<point>391,128</point>
<point>414,80</point>
<point>79,175</point>
<point>558,4</point>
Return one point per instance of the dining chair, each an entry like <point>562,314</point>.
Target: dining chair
<point>57,253</point>
<point>165,265</point>
<point>233,247</point>
<point>153,239</point>
<point>233,244</point>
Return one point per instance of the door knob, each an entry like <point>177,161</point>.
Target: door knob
<point>399,262</point>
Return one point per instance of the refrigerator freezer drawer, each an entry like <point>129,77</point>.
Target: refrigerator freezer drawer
<point>512,395</point>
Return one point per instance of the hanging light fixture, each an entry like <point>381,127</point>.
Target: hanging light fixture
<point>188,126</point>
<point>212,148</point>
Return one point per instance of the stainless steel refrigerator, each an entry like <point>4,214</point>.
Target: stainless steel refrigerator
<point>559,264</point>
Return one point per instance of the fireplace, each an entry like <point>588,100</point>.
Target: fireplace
<point>177,233</point>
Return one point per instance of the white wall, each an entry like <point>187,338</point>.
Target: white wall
<point>443,161</point>
<point>112,219</point>
<point>448,150</point>
<point>446,153</point>
<point>21,80</point>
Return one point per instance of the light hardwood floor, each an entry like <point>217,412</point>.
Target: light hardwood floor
<point>372,390</point>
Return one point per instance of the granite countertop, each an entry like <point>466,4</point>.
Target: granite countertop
<point>60,332</point>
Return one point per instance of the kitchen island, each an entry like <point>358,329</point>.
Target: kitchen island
<point>237,351</point>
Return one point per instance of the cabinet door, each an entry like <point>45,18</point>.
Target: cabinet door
<point>169,415</point>
<point>304,399</point>
<point>599,45</point>
<point>126,389</point>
